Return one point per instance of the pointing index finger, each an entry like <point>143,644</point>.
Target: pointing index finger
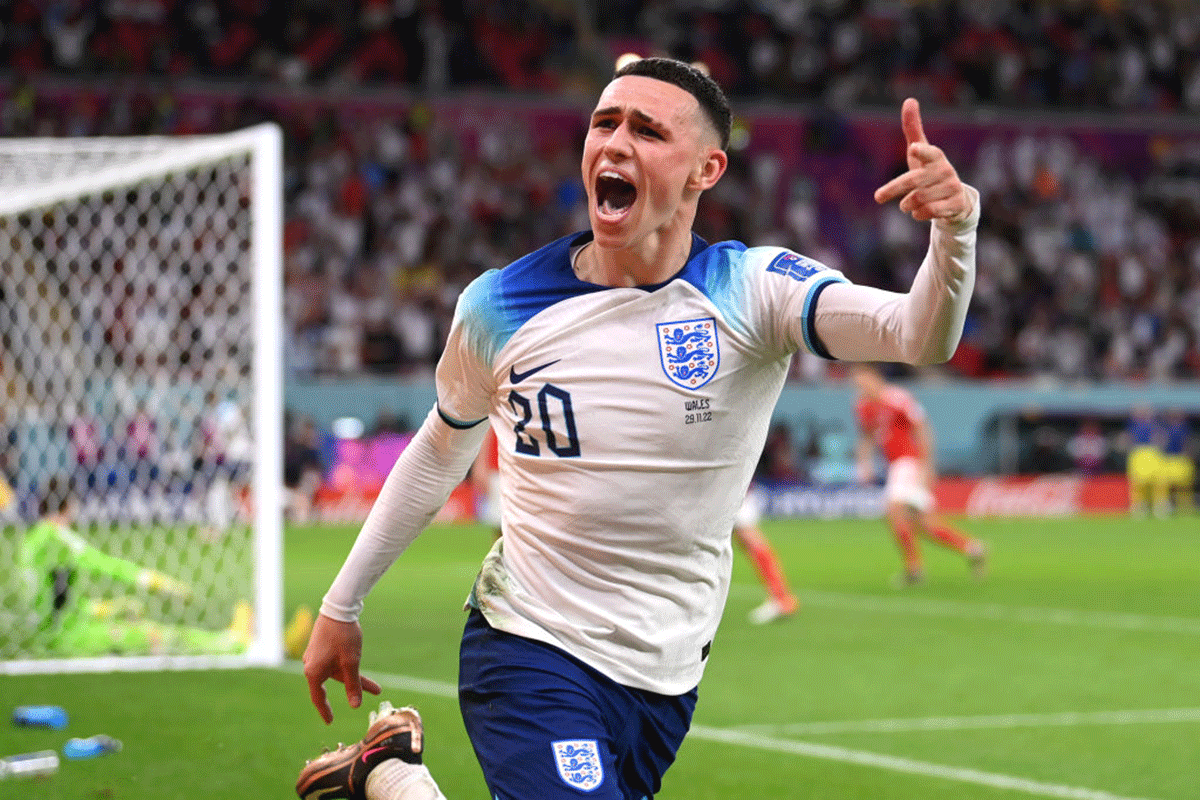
<point>910,120</point>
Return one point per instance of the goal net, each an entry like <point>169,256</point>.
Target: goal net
<point>140,402</point>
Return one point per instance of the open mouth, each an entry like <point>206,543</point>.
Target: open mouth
<point>614,194</point>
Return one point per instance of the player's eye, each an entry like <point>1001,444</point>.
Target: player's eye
<point>645,130</point>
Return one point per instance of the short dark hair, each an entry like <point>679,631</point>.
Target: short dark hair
<point>706,91</point>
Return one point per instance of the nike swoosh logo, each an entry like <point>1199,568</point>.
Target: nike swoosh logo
<point>317,795</point>
<point>517,377</point>
<point>368,752</point>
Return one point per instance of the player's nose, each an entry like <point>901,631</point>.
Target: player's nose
<point>620,142</point>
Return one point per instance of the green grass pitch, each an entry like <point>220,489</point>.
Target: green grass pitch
<point>1072,671</point>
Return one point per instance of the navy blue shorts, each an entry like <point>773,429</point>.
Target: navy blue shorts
<point>545,725</point>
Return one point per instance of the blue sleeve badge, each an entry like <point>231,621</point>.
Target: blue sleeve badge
<point>795,266</point>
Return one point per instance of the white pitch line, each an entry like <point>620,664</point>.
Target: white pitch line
<point>988,722</point>
<point>807,749</point>
<point>995,611</point>
<point>910,766</point>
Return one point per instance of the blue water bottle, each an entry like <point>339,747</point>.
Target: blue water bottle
<point>40,717</point>
<point>91,746</point>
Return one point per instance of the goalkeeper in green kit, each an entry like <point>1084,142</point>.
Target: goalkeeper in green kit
<point>54,562</point>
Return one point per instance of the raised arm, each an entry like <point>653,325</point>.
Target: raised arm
<point>923,326</point>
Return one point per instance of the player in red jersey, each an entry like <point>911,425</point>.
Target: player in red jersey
<point>891,420</point>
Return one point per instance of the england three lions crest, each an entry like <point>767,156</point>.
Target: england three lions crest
<point>579,763</point>
<point>689,351</point>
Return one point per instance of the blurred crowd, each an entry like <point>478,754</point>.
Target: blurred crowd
<point>1088,270</point>
<point>1117,54</point>
<point>1085,273</point>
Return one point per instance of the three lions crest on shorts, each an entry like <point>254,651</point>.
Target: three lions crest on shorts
<point>578,762</point>
<point>689,351</point>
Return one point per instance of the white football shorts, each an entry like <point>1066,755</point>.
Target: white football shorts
<point>906,484</point>
<point>750,511</point>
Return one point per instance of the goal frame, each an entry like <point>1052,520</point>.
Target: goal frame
<point>264,145</point>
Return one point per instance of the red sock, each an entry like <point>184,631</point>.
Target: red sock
<point>771,574</point>
<point>948,537</point>
<point>908,546</point>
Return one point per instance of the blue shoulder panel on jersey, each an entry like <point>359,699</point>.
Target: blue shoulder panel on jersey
<point>499,302</point>
<point>717,271</point>
<point>496,304</point>
<point>481,315</point>
<point>537,281</point>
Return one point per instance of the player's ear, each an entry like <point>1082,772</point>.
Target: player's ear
<point>708,170</point>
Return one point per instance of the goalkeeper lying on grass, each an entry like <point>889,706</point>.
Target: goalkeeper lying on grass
<point>55,563</point>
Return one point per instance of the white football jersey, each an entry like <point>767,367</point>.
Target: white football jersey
<point>629,423</point>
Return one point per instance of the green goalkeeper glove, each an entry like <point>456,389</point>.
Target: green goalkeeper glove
<point>156,581</point>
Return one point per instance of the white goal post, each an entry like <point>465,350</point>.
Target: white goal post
<point>141,405</point>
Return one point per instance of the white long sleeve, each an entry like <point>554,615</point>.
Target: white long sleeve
<point>923,326</point>
<point>432,464</point>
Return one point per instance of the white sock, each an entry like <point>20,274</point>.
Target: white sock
<point>398,780</point>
